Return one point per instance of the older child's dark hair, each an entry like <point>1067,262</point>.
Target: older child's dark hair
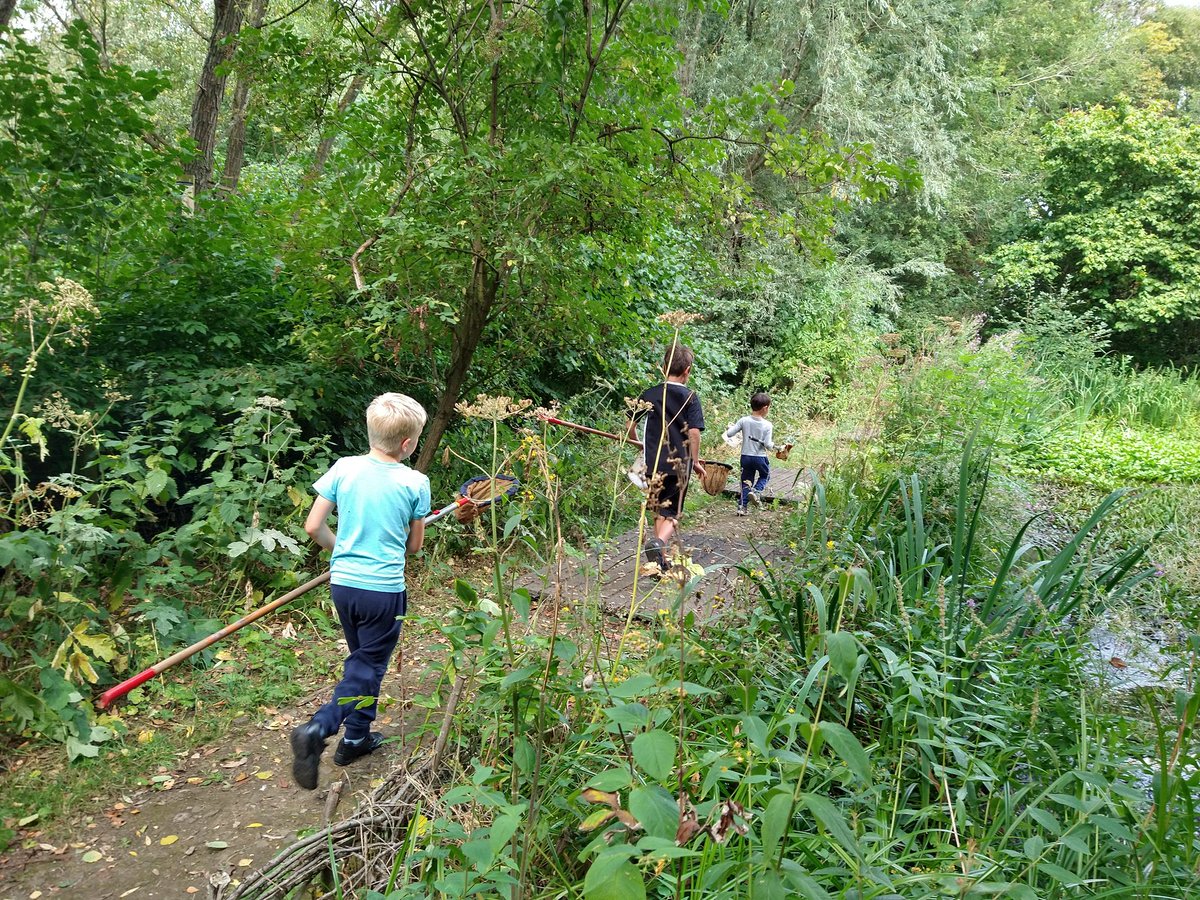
<point>761,400</point>
<point>678,359</point>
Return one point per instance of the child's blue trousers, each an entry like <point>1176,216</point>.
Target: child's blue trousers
<point>371,622</point>
<point>756,472</point>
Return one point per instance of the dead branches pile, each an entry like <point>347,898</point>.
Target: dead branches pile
<point>361,851</point>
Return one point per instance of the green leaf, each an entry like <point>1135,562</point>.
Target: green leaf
<point>629,716</point>
<point>1059,874</point>
<point>638,686</point>
<point>503,828</point>
<point>846,745</point>
<point>1045,819</point>
<point>655,809</point>
<point>466,593</point>
<point>515,678</point>
<point>1034,846</point>
<point>831,819</point>
<point>610,780</point>
<point>775,821</point>
<point>768,886</point>
<point>156,483</point>
<point>511,525</point>
<point>613,877</point>
<point>757,733</point>
<point>843,652</point>
<point>77,748</point>
<point>654,753</point>
<point>806,886</point>
<point>521,601</point>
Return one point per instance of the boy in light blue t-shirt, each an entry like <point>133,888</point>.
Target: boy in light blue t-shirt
<point>381,505</point>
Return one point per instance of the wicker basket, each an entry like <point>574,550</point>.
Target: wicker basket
<point>715,477</point>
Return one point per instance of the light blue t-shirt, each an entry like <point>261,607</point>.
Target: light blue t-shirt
<point>376,502</point>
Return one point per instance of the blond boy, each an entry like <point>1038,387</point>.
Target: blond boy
<point>381,505</point>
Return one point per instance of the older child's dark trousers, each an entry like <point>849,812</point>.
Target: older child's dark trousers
<point>371,623</point>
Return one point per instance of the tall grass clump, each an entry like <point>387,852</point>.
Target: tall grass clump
<point>1070,349</point>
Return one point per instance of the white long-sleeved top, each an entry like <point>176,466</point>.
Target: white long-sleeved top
<point>757,435</point>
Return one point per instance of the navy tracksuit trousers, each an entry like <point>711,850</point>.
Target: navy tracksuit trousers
<point>756,472</point>
<point>371,622</point>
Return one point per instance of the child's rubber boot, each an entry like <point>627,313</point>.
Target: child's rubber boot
<point>307,746</point>
<point>655,552</point>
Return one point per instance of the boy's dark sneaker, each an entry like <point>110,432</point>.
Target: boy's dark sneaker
<point>655,552</point>
<point>307,746</point>
<point>348,753</point>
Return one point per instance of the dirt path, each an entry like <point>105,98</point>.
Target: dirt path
<point>223,810</point>
<point>230,807</point>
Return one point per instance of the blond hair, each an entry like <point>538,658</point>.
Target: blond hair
<point>391,420</point>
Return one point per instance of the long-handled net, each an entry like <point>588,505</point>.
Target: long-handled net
<point>474,495</point>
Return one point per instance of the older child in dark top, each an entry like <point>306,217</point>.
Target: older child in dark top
<point>674,420</point>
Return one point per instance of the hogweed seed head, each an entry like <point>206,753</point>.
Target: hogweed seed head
<point>679,318</point>
<point>494,408</point>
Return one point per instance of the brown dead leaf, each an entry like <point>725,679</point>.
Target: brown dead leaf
<point>688,824</point>
<point>1117,663</point>
<point>234,763</point>
<point>733,818</point>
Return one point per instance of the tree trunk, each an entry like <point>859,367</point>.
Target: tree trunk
<point>476,311</point>
<point>326,146</point>
<point>206,108</point>
<point>235,149</point>
<point>6,10</point>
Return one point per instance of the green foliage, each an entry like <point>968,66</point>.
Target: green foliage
<point>876,715</point>
<point>958,385</point>
<point>77,171</point>
<point>1107,456</point>
<point>1111,219</point>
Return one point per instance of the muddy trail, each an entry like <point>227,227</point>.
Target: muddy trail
<point>226,809</point>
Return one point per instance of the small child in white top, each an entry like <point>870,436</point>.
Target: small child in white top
<point>757,441</point>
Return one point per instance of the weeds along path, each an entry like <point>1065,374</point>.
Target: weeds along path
<point>222,812</point>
